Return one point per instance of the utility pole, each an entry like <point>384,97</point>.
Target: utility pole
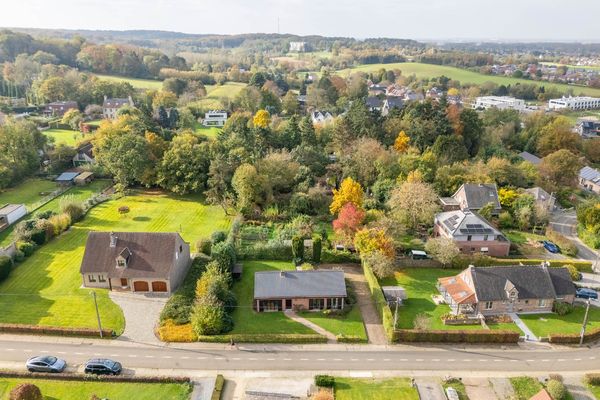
<point>585,320</point>
<point>396,313</point>
<point>97,313</point>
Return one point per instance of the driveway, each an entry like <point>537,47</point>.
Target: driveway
<point>565,223</point>
<point>141,313</point>
<point>479,388</point>
<point>430,389</point>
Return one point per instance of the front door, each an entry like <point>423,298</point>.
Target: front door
<point>124,282</point>
<point>288,304</point>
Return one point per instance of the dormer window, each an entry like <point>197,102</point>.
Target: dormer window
<point>123,258</point>
<point>121,262</point>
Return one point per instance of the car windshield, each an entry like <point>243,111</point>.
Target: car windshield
<point>109,364</point>
<point>49,360</point>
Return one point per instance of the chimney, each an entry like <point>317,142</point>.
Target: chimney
<point>113,240</point>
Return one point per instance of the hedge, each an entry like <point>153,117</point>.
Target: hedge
<point>54,330</point>
<point>264,338</point>
<point>69,376</point>
<point>219,383</point>
<point>380,304</point>
<point>335,256</point>
<point>592,379</point>
<point>266,251</point>
<point>325,381</point>
<point>573,338</point>
<point>475,336</point>
<point>350,339</point>
<point>582,266</point>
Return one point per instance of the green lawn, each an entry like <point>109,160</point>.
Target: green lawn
<point>95,122</point>
<point>28,192</point>
<point>464,76</point>
<point>520,239</point>
<point>45,288</point>
<point>374,389</point>
<point>595,391</point>
<point>525,387</point>
<point>248,321</point>
<point>209,131</point>
<point>79,390</point>
<point>135,82</point>
<point>215,94</point>
<point>544,324</point>
<point>420,284</point>
<point>65,136</point>
<point>350,324</point>
<point>458,386</point>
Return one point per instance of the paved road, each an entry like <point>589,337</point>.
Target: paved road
<point>308,358</point>
<point>565,222</point>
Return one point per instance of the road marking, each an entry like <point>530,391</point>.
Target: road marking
<point>254,359</point>
<point>59,352</point>
<point>385,359</point>
<point>530,360</point>
<point>497,360</point>
<point>320,359</point>
<point>483,360</point>
<point>44,351</point>
<point>287,359</point>
<point>167,357</point>
<point>419,360</point>
<point>200,358</point>
<point>97,354</point>
<point>403,360</point>
<point>561,360</point>
<point>236,359</point>
<point>78,353</point>
<point>10,349</point>
<point>577,359</point>
<point>545,360</point>
<point>354,359</point>
<point>28,351</point>
<point>464,360</point>
<point>149,356</point>
<point>450,360</point>
<point>132,356</point>
<point>270,359</point>
<point>184,357</point>
<point>370,359</point>
<point>114,355</point>
<point>592,358</point>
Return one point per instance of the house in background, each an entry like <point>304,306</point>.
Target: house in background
<point>588,127</point>
<point>59,108</point>
<point>391,103</point>
<point>111,106</point>
<point>505,290</point>
<point>543,199</point>
<point>135,261</point>
<point>499,102</point>
<point>321,117</point>
<point>299,290</point>
<point>215,118</point>
<point>589,179</point>
<point>535,160</point>
<point>472,233</point>
<point>84,155</point>
<point>11,213</point>
<point>473,197</point>
<point>374,103</point>
<point>298,47</point>
<point>66,178</point>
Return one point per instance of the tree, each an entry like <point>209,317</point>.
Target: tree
<point>208,316</point>
<point>442,249</point>
<point>262,119</point>
<point>249,187</point>
<point>298,249</point>
<point>248,99</point>
<point>25,391</point>
<point>223,254</point>
<point>184,167</point>
<point>414,203</point>
<point>559,169</point>
<point>290,105</point>
<point>20,141</point>
<point>73,118</point>
<point>164,99</point>
<point>280,170</point>
<point>381,264</point>
<point>472,130</point>
<point>350,191</point>
<point>449,149</point>
<point>558,135</point>
<point>220,174</point>
<point>349,220</point>
<point>366,160</point>
<point>317,245</point>
<point>402,142</point>
<point>373,239</point>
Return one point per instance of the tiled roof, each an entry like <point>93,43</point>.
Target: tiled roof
<point>295,284</point>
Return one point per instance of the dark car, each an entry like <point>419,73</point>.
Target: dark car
<point>102,366</point>
<point>46,364</point>
<point>584,293</point>
<point>551,247</point>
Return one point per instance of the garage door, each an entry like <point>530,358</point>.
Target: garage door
<point>140,286</point>
<point>159,286</point>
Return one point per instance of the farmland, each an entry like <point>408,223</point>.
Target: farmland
<point>45,288</point>
<point>216,93</point>
<point>135,82</point>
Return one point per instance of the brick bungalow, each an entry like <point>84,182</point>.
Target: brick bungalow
<point>503,290</point>
<point>299,290</point>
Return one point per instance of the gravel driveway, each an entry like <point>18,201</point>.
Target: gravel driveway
<point>141,315</point>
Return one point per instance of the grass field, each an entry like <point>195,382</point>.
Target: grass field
<point>135,82</point>
<point>211,131</point>
<point>78,390</point>
<point>350,324</point>
<point>525,387</point>
<point>374,389</point>
<point>248,321</point>
<point>464,76</point>
<point>544,324</point>
<point>65,136</point>
<point>27,193</point>
<point>215,93</point>
<point>45,288</point>
<point>420,284</point>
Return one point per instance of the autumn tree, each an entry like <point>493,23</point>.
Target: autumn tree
<point>349,219</point>
<point>558,135</point>
<point>350,191</point>
<point>124,156</point>
<point>250,188</point>
<point>369,240</point>
<point>402,142</point>
<point>559,169</point>
<point>414,203</point>
<point>442,249</point>
<point>261,119</point>
<point>381,264</point>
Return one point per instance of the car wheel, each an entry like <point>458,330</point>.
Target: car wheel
<point>30,369</point>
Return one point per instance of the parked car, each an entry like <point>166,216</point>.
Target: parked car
<point>551,247</point>
<point>46,364</point>
<point>584,293</point>
<point>418,255</point>
<point>452,394</point>
<point>103,366</point>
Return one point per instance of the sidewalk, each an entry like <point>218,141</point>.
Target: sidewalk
<point>528,334</point>
<point>292,315</point>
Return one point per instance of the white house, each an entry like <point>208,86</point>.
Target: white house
<point>298,47</point>
<point>499,102</point>
<point>574,103</point>
<point>11,213</point>
<point>215,118</point>
<point>111,106</point>
<point>321,117</point>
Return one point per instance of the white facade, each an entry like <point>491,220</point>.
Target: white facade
<point>297,46</point>
<point>111,106</point>
<point>500,102</point>
<point>215,118</point>
<point>321,117</point>
<point>11,213</point>
<point>574,103</point>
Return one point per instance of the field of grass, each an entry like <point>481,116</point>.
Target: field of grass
<point>588,67</point>
<point>525,387</point>
<point>525,246</point>
<point>374,389</point>
<point>420,284</point>
<point>464,76</point>
<point>209,131</point>
<point>45,288</point>
<point>544,324</point>
<point>350,324</point>
<point>248,321</point>
<point>78,390</point>
<point>214,94</point>
<point>135,82</point>
<point>65,136</point>
<point>27,193</point>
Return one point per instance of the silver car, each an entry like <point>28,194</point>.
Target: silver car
<point>46,364</point>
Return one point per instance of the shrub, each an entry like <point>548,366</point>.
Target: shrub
<point>307,267</point>
<point>26,247</point>
<point>590,336</point>
<point>218,237</point>
<point>224,254</point>
<point>381,265</point>
<point>209,317</point>
<point>203,246</point>
<point>38,237</point>
<point>556,389</point>
<point>5,267</point>
<point>61,223</point>
<point>339,256</point>
<point>298,249</point>
<point>73,209</point>
<point>562,308</point>
<point>273,250</point>
<point>455,336</point>
<point>25,391</point>
<point>325,381</point>
<point>592,379</point>
<point>123,209</point>
<point>573,272</point>
<point>172,332</point>
<point>316,248</point>
<point>422,322</point>
<point>179,306</point>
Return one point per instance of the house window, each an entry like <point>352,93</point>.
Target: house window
<point>101,278</point>
<point>489,305</point>
<point>180,248</point>
<point>542,303</point>
<point>120,262</point>
<point>485,238</point>
<point>526,301</point>
<point>469,238</point>
<point>315,304</point>
<point>91,278</point>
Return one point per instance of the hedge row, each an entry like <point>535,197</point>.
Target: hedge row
<point>264,338</point>
<point>582,266</point>
<point>266,251</point>
<point>380,303</point>
<point>219,383</point>
<point>478,336</point>
<point>54,330</point>
<point>68,376</point>
<point>574,338</point>
<point>592,379</point>
<point>336,256</point>
<point>350,339</point>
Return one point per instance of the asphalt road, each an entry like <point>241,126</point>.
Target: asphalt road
<point>565,222</point>
<point>292,358</point>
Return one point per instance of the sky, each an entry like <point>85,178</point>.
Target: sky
<point>508,20</point>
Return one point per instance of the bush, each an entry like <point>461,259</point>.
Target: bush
<point>73,209</point>
<point>26,247</point>
<point>325,381</point>
<point>179,306</point>
<point>590,336</point>
<point>573,272</point>
<point>452,336</point>
<point>323,395</point>
<point>337,256</point>
<point>562,308</point>
<point>317,247</point>
<point>298,249</point>
<point>274,250</point>
<point>209,317</point>
<point>25,391</point>
<point>217,391</point>
<point>592,379</point>
<point>38,237</point>
<point>556,389</point>
<point>224,254</point>
<point>203,246</point>
<point>61,223</point>
<point>218,237</point>
<point>5,267</point>
<point>381,265</point>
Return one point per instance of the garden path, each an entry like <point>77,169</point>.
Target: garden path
<point>292,315</point>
